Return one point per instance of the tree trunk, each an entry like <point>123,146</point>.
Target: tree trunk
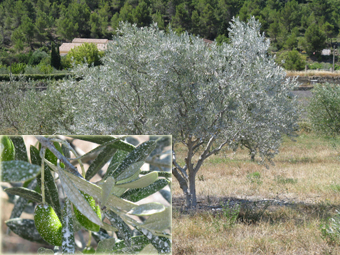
<point>192,187</point>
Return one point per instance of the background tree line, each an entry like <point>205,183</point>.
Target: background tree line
<point>305,24</point>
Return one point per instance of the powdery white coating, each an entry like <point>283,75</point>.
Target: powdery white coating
<point>131,170</point>
<point>18,171</point>
<point>68,243</point>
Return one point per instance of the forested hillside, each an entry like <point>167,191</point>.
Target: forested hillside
<point>30,24</point>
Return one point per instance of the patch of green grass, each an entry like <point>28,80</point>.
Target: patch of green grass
<point>282,180</point>
<point>218,160</point>
<point>301,160</point>
<point>335,187</point>
<point>254,178</point>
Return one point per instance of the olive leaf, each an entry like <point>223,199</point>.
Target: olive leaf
<point>124,232</point>
<point>161,243</point>
<point>76,198</point>
<point>107,187</point>
<point>130,170</point>
<point>120,145</point>
<point>149,249</point>
<point>26,229</point>
<point>141,182</point>
<point>158,221</point>
<point>21,203</point>
<point>139,154</point>
<point>160,173</point>
<point>106,246</point>
<point>135,195</point>
<point>137,244</point>
<point>108,227</point>
<point>117,158</point>
<point>101,147</point>
<point>118,191</point>
<point>100,161</point>
<point>147,209</point>
<point>18,171</point>
<point>25,193</point>
<point>20,148</point>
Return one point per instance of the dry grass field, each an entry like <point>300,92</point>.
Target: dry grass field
<point>245,208</point>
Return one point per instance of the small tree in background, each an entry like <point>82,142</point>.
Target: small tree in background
<point>205,96</point>
<point>55,57</point>
<point>85,53</point>
<point>324,109</point>
<point>292,60</point>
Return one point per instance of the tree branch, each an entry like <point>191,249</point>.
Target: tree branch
<point>204,155</point>
<point>45,142</point>
<point>217,149</point>
<point>183,170</point>
<point>182,182</point>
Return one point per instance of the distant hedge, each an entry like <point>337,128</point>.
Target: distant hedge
<point>59,76</point>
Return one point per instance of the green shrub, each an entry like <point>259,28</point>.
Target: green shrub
<point>17,68</point>
<point>87,52</point>
<point>37,57</point>
<point>65,62</point>
<point>32,70</point>
<point>23,58</point>
<point>45,69</point>
<point>315,66</point>
<point>7,58</point>
<point>292,60</point>
<point>3,69</point>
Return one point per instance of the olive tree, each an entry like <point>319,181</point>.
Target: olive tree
<point>324,109</point>
<point>206,96</point>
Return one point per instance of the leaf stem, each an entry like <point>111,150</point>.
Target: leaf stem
<point>42,155</point>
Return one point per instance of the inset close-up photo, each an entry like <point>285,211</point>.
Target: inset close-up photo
<point>86,194</point>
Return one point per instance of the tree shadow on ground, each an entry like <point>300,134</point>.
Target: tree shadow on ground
<point>254,210</point>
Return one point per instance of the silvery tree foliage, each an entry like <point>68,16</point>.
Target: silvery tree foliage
<point>206,96</point>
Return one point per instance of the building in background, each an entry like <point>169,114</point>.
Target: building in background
<point>66,47</point>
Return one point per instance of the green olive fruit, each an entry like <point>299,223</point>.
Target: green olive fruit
<point>48,224</point>
<point>83,220</point>
<point>7,149</point>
